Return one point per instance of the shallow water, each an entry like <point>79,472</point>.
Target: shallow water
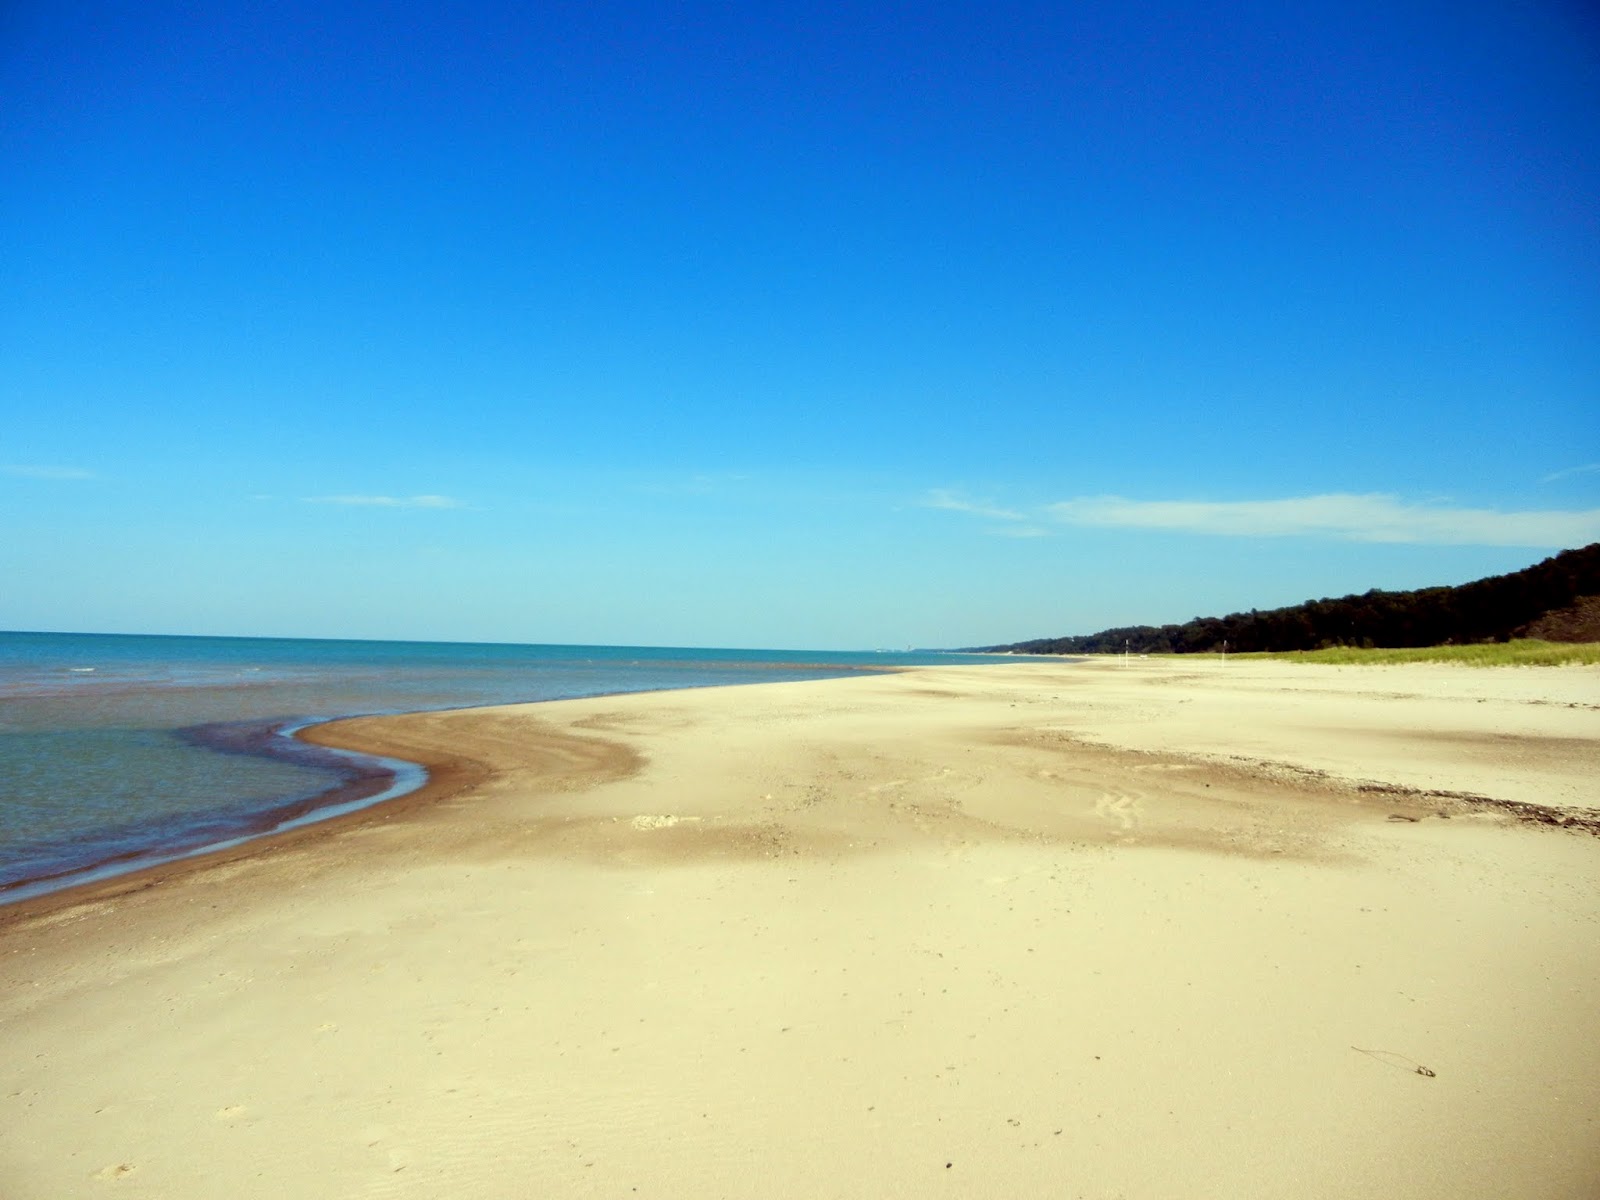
<point>117,751</point>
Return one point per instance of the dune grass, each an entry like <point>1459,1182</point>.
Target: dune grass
<point>1519,652</point>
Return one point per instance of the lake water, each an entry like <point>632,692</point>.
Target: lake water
<point>118,752</point>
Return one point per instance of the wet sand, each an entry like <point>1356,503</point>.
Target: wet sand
<point>1150,929</point>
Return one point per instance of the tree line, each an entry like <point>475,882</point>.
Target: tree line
<point>1486,610</point>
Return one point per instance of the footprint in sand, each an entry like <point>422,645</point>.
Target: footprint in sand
<point>877,788</point>
<point>377,1138</point>
<point>1120,808</point>
<point>651,821</point>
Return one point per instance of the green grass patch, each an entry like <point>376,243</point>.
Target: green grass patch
<point>1519,652</point>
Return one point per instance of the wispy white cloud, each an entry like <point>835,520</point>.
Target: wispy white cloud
<point>42,472</point>
<point>1357,518</point>
<point>955,502</point>
<point>1020,531</point>
<point>1586,469</point>
<point>389,501</point>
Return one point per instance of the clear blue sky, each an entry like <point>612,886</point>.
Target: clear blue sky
<point>812,325</point>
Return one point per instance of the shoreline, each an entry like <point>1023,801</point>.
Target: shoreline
<point>1125,929</point>
<point>362,778</point>
<point>363,781</point>
<point>363,745</point>
<point>344,806</point>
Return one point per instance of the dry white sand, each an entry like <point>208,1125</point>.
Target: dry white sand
<point>1103,930</point>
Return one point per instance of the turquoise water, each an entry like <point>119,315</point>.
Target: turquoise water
<point>120,751</point>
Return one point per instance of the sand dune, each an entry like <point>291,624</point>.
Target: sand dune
<point>1144,930</point>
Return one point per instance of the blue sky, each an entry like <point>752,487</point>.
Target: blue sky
<point>826,326</point>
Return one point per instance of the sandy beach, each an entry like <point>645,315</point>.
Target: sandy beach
<point>1113,929</point>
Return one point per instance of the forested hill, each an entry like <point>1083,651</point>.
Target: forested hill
<point>1557,599</point>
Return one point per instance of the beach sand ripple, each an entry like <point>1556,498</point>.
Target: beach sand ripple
<point>1150,929</point>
